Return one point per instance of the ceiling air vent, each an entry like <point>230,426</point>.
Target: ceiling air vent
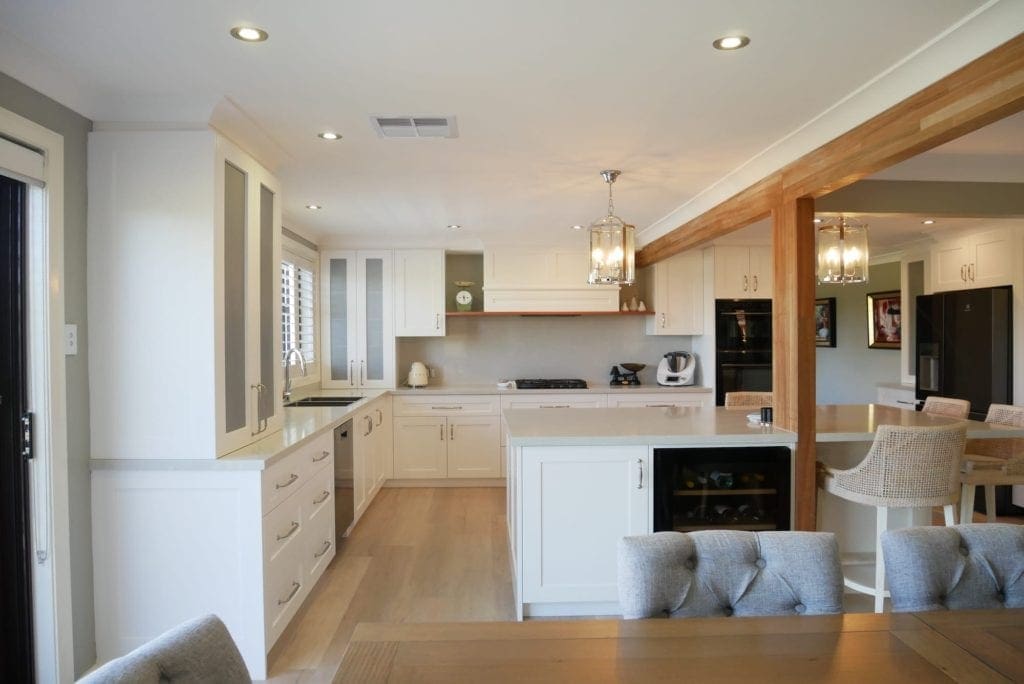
<point>414,126</point>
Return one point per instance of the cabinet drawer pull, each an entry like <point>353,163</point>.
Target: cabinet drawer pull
<point>659,405</point>
<point>746,281</point>
<point>442,432</point>
<point>963,272</point>
<point>662,320</point>
<point>351,380</point>
<point>555,406</point>
<point>327,547</point>
<point>640,467</point>
<point>445,408</point>
<point>295,589</point>
<point>970,271</point>
<point>323,497</point>
<point>323,455</point>
<point>437,321</point>
<point>369,425</point>
<point>291,481</point>
<point>451,432</point>
<point>755,283</point>
<point>380,417</point>
<point>292,530</point>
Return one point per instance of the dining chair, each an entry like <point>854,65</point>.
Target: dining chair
<point>200,650</point>
<point>992,462</point>
<point>729,573</point>
<point>955,568</point>
<point>947,406</point>
<point>906,467</point>
<point>748,399</point>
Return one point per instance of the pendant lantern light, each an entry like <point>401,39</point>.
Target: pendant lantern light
<point>842,251</point>
<point>612,247</point>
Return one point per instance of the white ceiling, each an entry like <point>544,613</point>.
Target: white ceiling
<point>546,94</point>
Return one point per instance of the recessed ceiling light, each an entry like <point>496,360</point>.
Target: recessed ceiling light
<point>731,42</point>
<point>329,135</point>
<point>454,226</point>
<point>577,227</point>
<point>928,222</point>
<point>249,34</point>
<point>313,207</point>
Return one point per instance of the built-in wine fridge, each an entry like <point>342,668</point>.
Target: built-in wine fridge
<point>733,488</point>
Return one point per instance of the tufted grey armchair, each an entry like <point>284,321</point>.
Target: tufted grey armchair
<point>200,651</point>
<point>955,568</point>
<point>717,572</point>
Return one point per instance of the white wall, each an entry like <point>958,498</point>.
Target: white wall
<point>850,372</point>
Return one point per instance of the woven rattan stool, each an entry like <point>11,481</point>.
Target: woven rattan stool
<point>906,467</point>
<point>946,406</point>
<point>992,462</point>
<point>748,399</point>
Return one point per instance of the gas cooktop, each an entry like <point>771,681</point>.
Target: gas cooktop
<point>542,383</point>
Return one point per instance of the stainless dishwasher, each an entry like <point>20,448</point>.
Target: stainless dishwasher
<point>344,502</point>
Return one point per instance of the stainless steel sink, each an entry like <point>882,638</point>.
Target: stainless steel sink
<point>324,401</point>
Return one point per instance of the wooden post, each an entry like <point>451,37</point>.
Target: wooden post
<point>793,349</point>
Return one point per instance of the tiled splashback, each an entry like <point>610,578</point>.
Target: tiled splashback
<point>482,350</point>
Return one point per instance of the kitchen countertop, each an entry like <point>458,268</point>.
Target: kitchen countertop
<point>858,422</point>
<point>692,426</point>
<point>592,388</point>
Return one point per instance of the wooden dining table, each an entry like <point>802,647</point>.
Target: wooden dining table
<point>961,646</point>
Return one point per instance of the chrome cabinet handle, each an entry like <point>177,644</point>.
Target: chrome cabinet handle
<point>555,406</point>
<point>369,425</point>
<point>291,481</point>
<point>451,432</point>
<point>445,408</point>
<point>755,283</point>
<point>437,321</point>
<point>640,468</point>
<point>351,379</point>
<point>442,432</point>
<point>362,372</point>
<point>963,272</point>
<point>292,530</point>
<point>745,283</point>
<point>261,423</point>
<point>659,405</point>
<point>295,589</point>
<point>327,547</point>
<point>323,497</point>
<point>380,417</point>
<point>970,271</point>
<point>662,320</point>
<point>324,454</point>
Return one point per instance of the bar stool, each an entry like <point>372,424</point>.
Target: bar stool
<point>947,406</point>
<point>906,467</point>
<point>748,399</point>
<point>992,462</point>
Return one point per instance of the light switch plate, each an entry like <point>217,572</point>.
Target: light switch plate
<point>70,339</point>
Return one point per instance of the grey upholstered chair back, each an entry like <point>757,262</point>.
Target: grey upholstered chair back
<point>955,568</point>
<point>200,651</point>
<point>713,573</point>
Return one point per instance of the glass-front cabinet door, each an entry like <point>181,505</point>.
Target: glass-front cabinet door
<point>338,324</point>
<point>269,381</point>
<point>235,405</point>
<point>376,319</point>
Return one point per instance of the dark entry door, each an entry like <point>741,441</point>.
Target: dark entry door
<point>16,657</point>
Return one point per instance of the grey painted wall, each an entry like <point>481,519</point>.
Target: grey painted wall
<point>483,350</point>
<point>30,104</point>
<point>850,373</point>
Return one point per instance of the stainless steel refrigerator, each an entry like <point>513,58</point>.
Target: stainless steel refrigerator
<point>965,347</point>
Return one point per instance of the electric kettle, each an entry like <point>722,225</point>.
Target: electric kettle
<point>418,375</point>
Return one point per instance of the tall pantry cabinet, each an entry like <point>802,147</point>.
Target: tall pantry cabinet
<point>184,296</point>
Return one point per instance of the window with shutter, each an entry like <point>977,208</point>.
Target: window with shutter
<point>298,308</point>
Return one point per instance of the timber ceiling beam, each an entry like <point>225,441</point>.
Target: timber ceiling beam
<point>982,92</point>
<point>931,198</point>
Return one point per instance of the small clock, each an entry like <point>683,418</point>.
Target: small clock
<point>463,300</point>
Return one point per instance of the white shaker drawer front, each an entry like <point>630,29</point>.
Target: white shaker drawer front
<point>284,478</point>
<point>317,497</point>
<point>582,400</point>
<point>319,547</point>
<point>319,452</point>
<point>657,400</point>
<point>446,404</point>
<point>282,529</point>
<point>286,585</point>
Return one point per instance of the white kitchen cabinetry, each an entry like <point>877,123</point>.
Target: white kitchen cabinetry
<point>576,503</point>
<point>981,259</point>
<point>743,272</point>
<point>898,397</point>
<point>357,330</point>
<point>372,452</point>
<point>676,293</point>
<point>550,401</point>
<point>445,436</point>
<point>419,293</point>
<point>184,236</point>
<point>523,279</point>
<point>244,544</point>
<point>661,400</point>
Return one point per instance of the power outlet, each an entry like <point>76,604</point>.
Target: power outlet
<point>70,339</point>
<point>432,372</point>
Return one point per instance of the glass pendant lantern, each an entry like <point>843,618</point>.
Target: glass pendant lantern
<point>612,246</point>
<point>842,251</point>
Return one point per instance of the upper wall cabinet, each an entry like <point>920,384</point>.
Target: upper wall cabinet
<point>675,289</point>
<point>524,279</point>
<point>982,259</point>
<point>743,272</point>
<point>184,295</point>
<point>357,312</point>
<point>419,293</point>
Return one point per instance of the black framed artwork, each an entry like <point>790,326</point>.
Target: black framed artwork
<point>825,322</point>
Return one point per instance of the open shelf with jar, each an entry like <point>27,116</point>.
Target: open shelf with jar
<point>731,488</point>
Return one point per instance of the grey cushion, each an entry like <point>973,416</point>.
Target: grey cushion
<point>200,651</point>
<point>955,568</point>
<point>712,573</point>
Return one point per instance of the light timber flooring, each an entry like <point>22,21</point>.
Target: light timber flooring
<point>417,555</point>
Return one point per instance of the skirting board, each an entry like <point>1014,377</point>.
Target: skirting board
<point>472,482</point>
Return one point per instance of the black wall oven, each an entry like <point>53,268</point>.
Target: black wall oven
<point>743,346</point>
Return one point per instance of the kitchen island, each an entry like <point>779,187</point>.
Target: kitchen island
<point>578,481</point>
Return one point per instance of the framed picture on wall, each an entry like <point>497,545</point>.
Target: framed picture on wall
<point>825,322</point>
<point>884,330</point>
